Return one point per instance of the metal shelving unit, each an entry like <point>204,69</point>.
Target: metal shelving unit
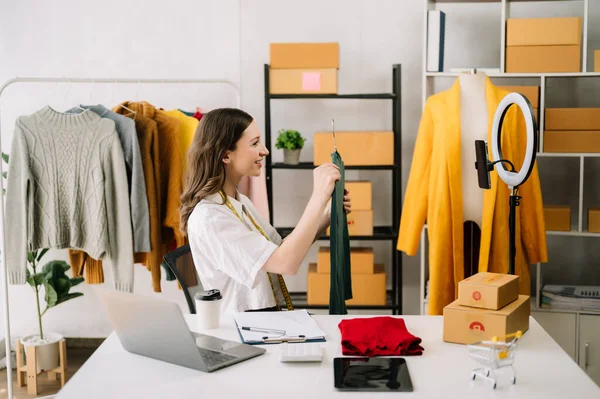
<point>381,233</point>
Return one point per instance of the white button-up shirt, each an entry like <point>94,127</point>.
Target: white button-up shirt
<point>229,254</point>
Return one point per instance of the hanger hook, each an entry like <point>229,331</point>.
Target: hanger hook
<point>333,131</point>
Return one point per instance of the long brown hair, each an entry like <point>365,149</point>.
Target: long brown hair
<point>218,131</point>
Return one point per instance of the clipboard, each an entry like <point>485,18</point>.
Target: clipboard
<point>260,328</point>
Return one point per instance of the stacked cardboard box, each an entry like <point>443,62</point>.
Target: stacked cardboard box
<point>543,45</point>
<point>594,220</point>
<point>357,148</point>
<point>531,92</point>
<point>557,218</point>
<point>368,279</point>
<point>304,68</point>
<point>488,305</point>
<point>572,130</point>
<point>360,220</point>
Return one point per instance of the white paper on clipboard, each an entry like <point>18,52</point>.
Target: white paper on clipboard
<point>295,323</point>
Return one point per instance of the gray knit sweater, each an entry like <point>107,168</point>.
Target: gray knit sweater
<point>138,198</point>
<point>67,188</point>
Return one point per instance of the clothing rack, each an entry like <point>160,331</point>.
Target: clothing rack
<point>93,81</point>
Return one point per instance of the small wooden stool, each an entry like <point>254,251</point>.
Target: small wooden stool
<point>27,373</point>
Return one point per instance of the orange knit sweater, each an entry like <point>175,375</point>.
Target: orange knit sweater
<point>171,170</point>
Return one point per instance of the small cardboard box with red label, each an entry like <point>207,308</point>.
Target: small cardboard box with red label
<point>466,325</point>
<point>488,290</point>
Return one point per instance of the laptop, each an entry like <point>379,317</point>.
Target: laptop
<point>157,329</point>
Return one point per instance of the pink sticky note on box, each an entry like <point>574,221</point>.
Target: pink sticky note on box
<point>311,81</point>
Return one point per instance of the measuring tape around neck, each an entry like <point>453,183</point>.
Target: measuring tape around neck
<point>279,277</point>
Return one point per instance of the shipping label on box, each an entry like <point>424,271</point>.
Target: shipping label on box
<point>488,290</point>
<point>543,31</point>
<point>367,289</point>
<point>360,194</point>
<point>355,148</point>
<point>572,119</point>
<point>467,325</point>
<point>304,55</point>
<point>557,218</point>
<point>303,81</point>
<point>540,59</point>
<point>362,260</point>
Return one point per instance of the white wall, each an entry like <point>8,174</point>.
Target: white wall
<point>133,39</point>
<point>227,39</point>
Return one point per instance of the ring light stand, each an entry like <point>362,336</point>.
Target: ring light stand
<point>511,177</point>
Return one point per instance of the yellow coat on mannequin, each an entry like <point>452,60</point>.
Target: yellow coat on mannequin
<point>434,195</point>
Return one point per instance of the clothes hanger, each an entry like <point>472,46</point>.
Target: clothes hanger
<point>132,113</point>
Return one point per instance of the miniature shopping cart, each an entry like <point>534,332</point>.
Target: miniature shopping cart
<point>493,355</point>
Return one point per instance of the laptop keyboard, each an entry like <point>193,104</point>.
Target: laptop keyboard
<point>214,358</point>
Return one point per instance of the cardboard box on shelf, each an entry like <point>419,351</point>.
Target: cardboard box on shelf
<point>594,220</point>
<point>531,92</point>
<point>360,223</point>
<point>361,194</point>
<point>303,81</point>
<point>557,218</point>
<point>542,59</point>
<point>357,148</point>
<point>467,325</point>
<point>362,260</point>
<point>596,60</point>
<point>488,290</point>
<point>304,55</point>
<point>543,31</point>
<point>580,141</point>
<point>572,119</point>
<point>367,289</point>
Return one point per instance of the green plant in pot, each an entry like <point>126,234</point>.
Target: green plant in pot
<point>292,142</point>
<point>56,286</point>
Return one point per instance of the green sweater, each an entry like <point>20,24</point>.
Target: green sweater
<point>341,281</point>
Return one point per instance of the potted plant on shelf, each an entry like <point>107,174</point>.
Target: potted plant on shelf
<point>291,141</point>
<point>56,285</point>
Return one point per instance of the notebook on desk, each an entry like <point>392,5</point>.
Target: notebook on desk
<point>277,327</point>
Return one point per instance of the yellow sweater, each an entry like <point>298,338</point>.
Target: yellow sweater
<point>187,129</point>
<point>434,195</point>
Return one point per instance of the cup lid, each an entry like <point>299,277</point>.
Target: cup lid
<point>209,295</point>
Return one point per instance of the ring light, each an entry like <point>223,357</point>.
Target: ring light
<point>511,178</point>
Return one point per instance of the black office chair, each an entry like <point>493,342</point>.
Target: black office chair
<point>181,264</point>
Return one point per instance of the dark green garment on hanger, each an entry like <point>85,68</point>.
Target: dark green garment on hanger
<point>341,282</point>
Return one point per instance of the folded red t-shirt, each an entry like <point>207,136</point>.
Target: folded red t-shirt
<point>378,336</point>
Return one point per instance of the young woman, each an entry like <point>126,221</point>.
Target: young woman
<point>233,247</point>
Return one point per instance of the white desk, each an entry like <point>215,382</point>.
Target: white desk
<point>543,370</point>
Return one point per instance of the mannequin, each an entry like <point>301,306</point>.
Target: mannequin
<point>442,191</point>
<point>473,126</point>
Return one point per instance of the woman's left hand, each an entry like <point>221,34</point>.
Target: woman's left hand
<point>347,203</point>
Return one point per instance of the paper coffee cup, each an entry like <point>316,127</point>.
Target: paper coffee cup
<point>208,308</point>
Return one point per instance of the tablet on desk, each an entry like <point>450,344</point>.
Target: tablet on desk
<point>371,374</point>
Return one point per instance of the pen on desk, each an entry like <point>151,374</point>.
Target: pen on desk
<point>265,330</point>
